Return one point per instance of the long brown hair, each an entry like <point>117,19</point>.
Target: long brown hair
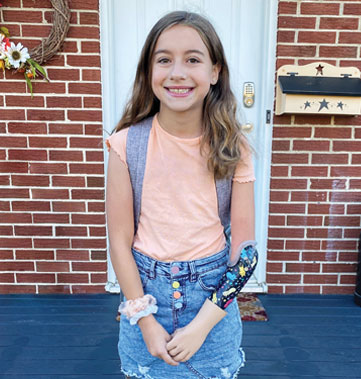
<point>221,129</point>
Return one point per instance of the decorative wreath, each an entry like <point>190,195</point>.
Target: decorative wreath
<point>17,56</point>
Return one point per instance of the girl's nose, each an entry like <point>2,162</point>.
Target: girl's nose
<point>178,72</point>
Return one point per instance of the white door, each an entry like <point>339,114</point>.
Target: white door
<point>247,29</point>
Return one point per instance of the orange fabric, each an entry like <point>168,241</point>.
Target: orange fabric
<point>179,216</point>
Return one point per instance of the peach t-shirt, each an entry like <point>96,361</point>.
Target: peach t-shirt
<point>179,218</point>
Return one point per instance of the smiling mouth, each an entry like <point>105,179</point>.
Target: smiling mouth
<point>179,90</point>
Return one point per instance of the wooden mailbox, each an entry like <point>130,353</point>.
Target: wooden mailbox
<point>318,88</point>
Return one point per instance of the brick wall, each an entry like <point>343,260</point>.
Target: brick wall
<point>315,200</point>
<point>52,222</point>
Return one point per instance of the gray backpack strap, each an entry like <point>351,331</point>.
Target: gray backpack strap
<point>136,150</point>
<point>224,192</point>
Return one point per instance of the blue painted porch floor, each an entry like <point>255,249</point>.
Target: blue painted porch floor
<point>75,336</point>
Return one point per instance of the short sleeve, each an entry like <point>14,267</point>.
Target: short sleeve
<point>118,143</point>
<point>245,171</point>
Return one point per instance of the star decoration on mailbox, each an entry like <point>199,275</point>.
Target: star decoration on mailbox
<point>319,69</point>
<point>323,104</point>
<point>340,105</point>
<point>307,104</point>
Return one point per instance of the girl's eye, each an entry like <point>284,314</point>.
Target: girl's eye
<point>193,60</point>
<point>163,60</point>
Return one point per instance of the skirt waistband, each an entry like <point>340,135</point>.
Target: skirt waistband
<point>153,267</point>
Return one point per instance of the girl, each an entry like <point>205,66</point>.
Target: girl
<point>172,160</point>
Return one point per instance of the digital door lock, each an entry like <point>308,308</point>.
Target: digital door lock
<point>248,94</point>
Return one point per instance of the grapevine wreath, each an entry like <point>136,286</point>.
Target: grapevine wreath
<point>17,56</point>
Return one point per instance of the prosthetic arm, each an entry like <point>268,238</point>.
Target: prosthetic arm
<point>236,275</point>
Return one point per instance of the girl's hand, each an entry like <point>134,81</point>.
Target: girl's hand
<point>156,338</point>
<point>186,342</point>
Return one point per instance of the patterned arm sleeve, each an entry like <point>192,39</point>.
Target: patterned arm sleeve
<point>235,277</point>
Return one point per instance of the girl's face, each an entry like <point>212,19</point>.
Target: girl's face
<point>182,70</point>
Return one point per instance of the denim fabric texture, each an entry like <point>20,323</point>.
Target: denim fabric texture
<point>181,289</point>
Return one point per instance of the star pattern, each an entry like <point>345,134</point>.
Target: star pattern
<point>307,104</point>
<point>340,105</point>
<point>323,104</point>
<point>319,69</point>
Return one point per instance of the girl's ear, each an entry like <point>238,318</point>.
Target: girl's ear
<point>215,73</point>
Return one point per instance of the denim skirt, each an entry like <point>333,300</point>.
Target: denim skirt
<point>181,289</point>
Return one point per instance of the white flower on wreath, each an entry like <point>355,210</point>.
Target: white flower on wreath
<point>17,54</point>
<point>2,47</point>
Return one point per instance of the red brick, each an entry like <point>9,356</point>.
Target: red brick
<point>46,115</point>
<point>12,114</point>
<point>288,183</point>
<point>14,167</point>
<point>88,243</point>
<point>311,145</point>
<point>348,279</point>
<point>12,289</point>
<point>4,180</point>
<point>280,145</point>
<point>285,36</point>
<point>35,278</point>
<point>69,206</point>
<point>30,180</point>
<point>307,196</point>
<point>87,194</point>
<point>94,156</point>
<point>50,194</point>
<point>329,256</point>
<point>6,230</point>
<point>51,243</point>
<point>52,267</point>
<point>276,244</point>
<point>346,171</point>
<point>33,254</point>
<point>352,9</point>
<point>279,171</point>
<point>65,129</point>
<point>73,278</point>
<point>283,255</point>
<point>275,289</point>
<point>63,102</point>
<point>18,101</point>
<point>97,232</point>
<point>291,132</point>
<point>296,51</point>
<point>338,23</point>
<point>274,267</point>
<point>51,87</point>
<point>88,289</point>
<point>70,231</point>
<point>303,289</point>
<point>325,132</point>
<point>302,119</point>
<point>73,255</point>
<point>350,37</point>
<point>316,37</point>
<point>68,181</point>
<point>27,155</point>
<point>341,221</point>
<point>96,206</point>
<point>326,208</point>
<point>85,115</point>
<point>344,290</point>
<point>330,158</point>
<point>320,279</point>
<point>48,168</point>
<point>324,233</point>
<point>85,4</point>
<point>90,47</point>
<point>53,289</point>
<point>279,196</point>
<point>47,142</point>
<point>354,208</point>
<point>87,219</point>
<point>12,87</point>
<point>14,193</point>
<point>51,218</point>
<point>319,8</point>
<point>287,7</point>
<point>66,155</point>
<point>63,74</point>
<point>91,75</point>
<point>17,266</point>
<point>85,88</point>
<point>338,51</point>
<point>344,196</point>
<point>286,232</point>
<point>70,47</point>
<point>95,181</point>
<point>27,128</point>
<point>286,208</point>
<point>355,184</point>
<point>302,267</point>
<point>37,4</point>
<point>94,129</point>
<point>309,171</point>
<point>89,18</point>
<point>30,206</point>
<point>348,256</point>
<point>338,267</point>
<point>290,22</point>
<point>4,205</point>
<point>33,230</point>
<point>35,30</point>
<point>351,233</point>
<point>339,245</point>
<point>100,255</point>
<point>98,278</point>
<point>304,220</point>
<point>22,16</point>
<point>303,244</point>
<point>283,278</point>
<point>89,266</point>
<point>92,102</point>
<point>15,217</point>
<point>328,183</point>
<point>86,168</point>
<point>7,278</point>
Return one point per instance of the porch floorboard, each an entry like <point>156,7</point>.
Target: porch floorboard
<point>75,336</point>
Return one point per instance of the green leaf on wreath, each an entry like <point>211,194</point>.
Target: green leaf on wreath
<point>28,82</point>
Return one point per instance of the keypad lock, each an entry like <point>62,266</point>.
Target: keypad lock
<point>248,94</point>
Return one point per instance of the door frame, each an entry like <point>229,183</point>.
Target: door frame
<point>269,68</point>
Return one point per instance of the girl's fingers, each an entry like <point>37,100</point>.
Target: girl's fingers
<point>181,356</point>
<point>168,359</point>
<point>173,352</point>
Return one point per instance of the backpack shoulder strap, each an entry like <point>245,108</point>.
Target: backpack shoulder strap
<point>136,151</point>
<point>224,193</point>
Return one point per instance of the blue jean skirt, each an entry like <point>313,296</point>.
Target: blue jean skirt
<point>181,289</point>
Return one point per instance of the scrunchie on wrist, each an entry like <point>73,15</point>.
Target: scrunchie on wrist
<point>135,309</point>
